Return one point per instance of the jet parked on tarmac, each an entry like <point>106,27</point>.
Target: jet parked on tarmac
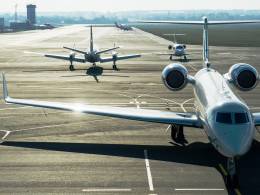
<point>178,49</point>
<point>92,56</point>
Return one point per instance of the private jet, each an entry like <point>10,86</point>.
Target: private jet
<point>92,56</point>
<point>226,119</point>
<point>123,26</point>
<point>177,49</point>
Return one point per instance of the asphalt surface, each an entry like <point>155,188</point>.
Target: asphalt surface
<point>53,152</point>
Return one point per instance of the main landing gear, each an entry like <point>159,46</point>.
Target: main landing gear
<point>177,134</point>
<point>185,58</point>
<point>114,66</point>
<point>71,66</point>
<point>232,180</point>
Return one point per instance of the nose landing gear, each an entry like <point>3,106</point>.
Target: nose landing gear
<point>232,180</point>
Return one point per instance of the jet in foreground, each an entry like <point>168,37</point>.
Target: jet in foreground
<point>92,56</point>
<point>226,119</point>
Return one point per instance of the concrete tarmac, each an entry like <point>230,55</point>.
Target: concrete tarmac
<point>54,152</point>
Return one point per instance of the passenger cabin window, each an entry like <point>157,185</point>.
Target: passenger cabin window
<point>224,117</point>
<point>241,118</point>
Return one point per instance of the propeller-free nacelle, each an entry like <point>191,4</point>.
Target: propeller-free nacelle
<point>243,76</point>
<point>175,76</point>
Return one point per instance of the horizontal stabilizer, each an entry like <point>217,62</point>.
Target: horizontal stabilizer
<point>107,50</point>
<point>76,50</point>
<point>200,22</point>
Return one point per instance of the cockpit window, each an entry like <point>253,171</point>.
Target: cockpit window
<point>224,117</point>
<point>241,118</point>
<point>179,47</point>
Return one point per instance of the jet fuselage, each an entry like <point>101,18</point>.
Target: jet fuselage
<point>178,49</point>
<point>226,118</point>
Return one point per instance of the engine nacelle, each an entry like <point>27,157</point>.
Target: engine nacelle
<point>72,56</point>
<point>170,47</point>
<point>243,76</point>
<point>175,76</point>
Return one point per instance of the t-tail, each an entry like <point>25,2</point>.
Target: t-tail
<point>91,40</point>
<point>205,24</point>
<point>205,42</point>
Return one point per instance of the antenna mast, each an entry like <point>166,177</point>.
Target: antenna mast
<point>15,12</point>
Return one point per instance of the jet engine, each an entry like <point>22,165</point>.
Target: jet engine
<point>170,47</point>
<point>243,76</point>
<point>114,56</point>
<point>175,76</point>
<point>72,56</point>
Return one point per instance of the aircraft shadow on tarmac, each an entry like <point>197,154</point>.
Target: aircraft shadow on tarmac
<point>50,70</point>
<point>197,153</point>
<point>188,60</point>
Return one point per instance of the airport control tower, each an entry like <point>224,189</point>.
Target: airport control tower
<point>31,14</point>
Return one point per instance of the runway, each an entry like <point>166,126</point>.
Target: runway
<point>53,152</point>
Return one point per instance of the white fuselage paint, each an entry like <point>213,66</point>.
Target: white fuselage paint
<point>213,94</point>
<point>178,49</point>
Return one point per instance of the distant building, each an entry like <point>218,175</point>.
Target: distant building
<point>2,24</point>
<point>17,26</point>
<point>31,14</point>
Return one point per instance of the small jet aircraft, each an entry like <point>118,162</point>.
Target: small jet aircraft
<point>92,56</point>
<point>177,48</point>
<point>123,26</point>
<point>226,119</point>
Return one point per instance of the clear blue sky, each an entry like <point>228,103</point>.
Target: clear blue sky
<point>118,5</point>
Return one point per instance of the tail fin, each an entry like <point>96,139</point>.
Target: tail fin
<point>174,36</point>
<point>5,90</point>
<point>205,24</point>
<point>91,40</point>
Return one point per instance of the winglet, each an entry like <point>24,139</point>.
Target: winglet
<point>5,90</point>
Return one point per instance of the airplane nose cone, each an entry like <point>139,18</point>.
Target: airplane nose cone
<point>238,140</point>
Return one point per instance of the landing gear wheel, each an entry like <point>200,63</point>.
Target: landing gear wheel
<point>177,134</point>
<point>171,57</point>
<point>115,68</point>
<point>72,68</point>
<point>185,59</point>
<point>232,180</point>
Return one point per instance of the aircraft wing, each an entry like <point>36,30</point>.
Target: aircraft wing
<point>256,117</point>
<point>110,59</point>
<point>156,116</point>
<point>107,50</point>
<point>64,57</point>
